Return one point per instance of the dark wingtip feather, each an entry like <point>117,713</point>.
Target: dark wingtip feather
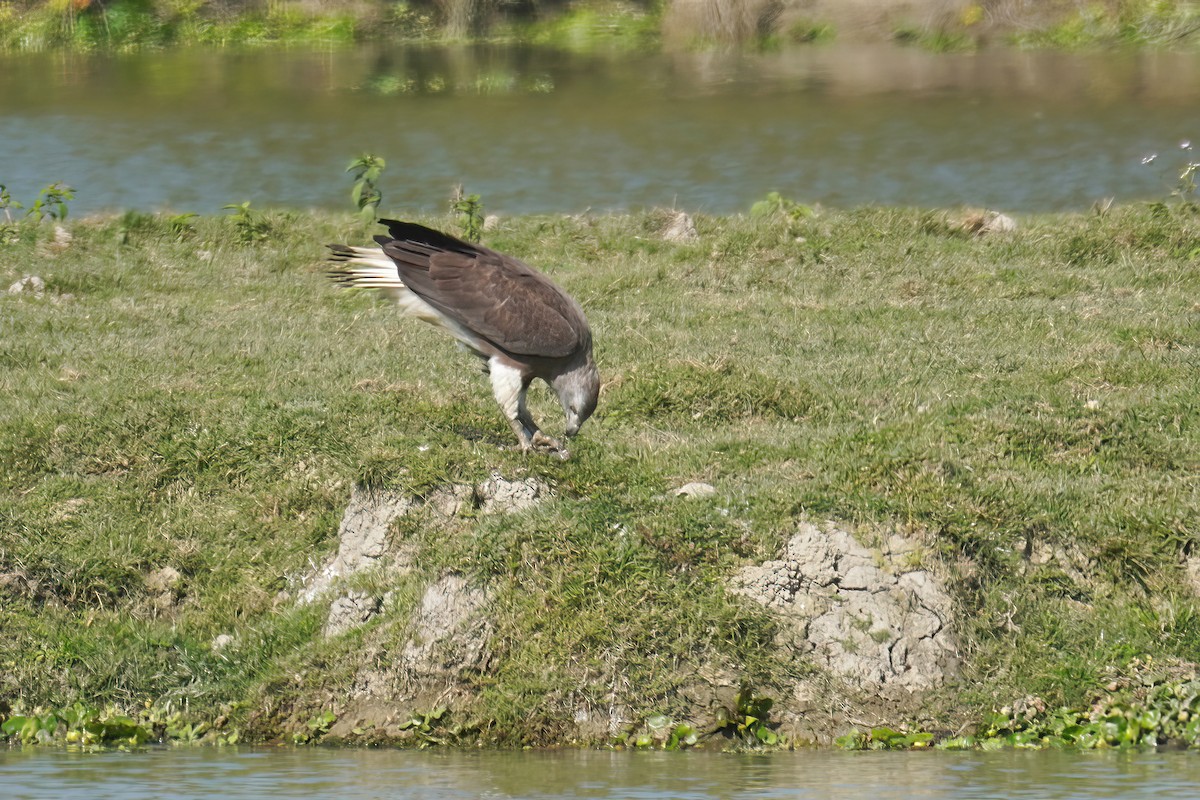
<point>412,232</point>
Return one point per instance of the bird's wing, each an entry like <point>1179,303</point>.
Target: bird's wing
<point>497,297</point>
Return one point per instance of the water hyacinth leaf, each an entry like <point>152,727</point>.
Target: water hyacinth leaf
<point>884,735</point>
<point>957,743</point>
<point>850,741</point>
<point>13,724</point>
<point>687,734</point>
<point>1072,731</point>
<point>766,736</point>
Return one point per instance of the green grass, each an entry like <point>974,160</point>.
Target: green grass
<point>1128,23</point>
<point>207,405</point>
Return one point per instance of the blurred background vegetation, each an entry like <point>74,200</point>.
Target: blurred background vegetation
<point>944,25</point>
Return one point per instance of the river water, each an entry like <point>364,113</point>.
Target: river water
<point>317,773</point>
<point>537,130</point>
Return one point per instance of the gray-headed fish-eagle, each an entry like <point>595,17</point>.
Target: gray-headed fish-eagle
<point>510,315</point>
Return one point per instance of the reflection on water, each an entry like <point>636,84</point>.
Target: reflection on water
<point>359,774</point>
<point>542,131</point>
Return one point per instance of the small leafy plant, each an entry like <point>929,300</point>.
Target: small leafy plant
<point>8,231</point>
<point>249,224</point>
<point>8,204</point>
<point>470,214</point>
<point>1184,189</point>
<point>775,204</point>
<point>52,202</point>
<point>366,194</point>
<point>182,226</point>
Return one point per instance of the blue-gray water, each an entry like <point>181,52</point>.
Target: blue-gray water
<point>315,774</point>
<point>543,131</point>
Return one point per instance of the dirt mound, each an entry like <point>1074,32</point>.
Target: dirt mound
<point>365,543</point>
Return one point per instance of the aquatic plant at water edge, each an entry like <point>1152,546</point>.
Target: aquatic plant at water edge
<point>749,721</point>
<point>316,727</point>
<point>662,732</point>
<point>883,738</point>
<point>426,726</point>
<point>1145,706</point>
<point>89,726</point>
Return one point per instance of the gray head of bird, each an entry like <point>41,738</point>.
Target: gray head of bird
<point>578,389</point>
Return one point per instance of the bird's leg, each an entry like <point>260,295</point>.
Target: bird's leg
<point>509,388</point>
<point>538,440</point>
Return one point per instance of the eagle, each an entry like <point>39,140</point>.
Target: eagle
<point>504,311</point>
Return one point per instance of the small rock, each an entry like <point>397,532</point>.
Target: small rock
<point>222,641</point>
<point>995,222</point>
<point>695,489</point>
<point>164,581</point>
<point>988,222</point>
<point>681,229</point>
<point>30,284</point>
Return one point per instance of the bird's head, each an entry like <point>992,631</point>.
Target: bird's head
<point>578,390</point>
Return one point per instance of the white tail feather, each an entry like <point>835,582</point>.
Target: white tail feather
<point>369,268</point>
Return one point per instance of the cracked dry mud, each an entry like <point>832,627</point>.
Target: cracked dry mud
<point>870,615</point>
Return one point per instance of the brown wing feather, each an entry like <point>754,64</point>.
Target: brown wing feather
<point>498,297</point>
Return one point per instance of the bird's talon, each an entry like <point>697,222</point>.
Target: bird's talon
<point>543,442</point>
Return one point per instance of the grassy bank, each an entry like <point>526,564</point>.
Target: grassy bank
<point>184,410</point>
<point>123,25</point>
